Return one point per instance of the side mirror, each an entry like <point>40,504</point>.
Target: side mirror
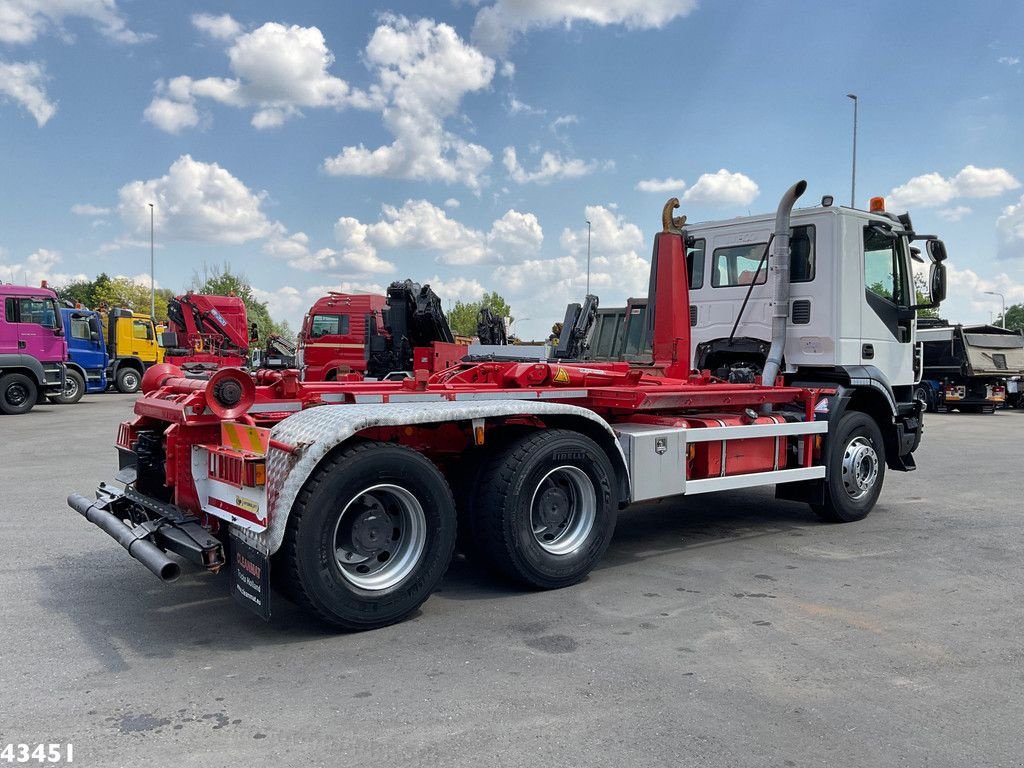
<point>936,251</point>
<point>937,278</point>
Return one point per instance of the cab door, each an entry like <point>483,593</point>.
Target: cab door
<point>887,322</point>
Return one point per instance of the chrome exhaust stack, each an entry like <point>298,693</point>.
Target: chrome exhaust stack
<point>778,278</point>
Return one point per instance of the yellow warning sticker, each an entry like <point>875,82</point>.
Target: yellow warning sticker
<point>561,376</point>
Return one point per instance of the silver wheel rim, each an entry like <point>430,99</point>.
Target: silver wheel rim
<point>563,510</point>
<point>131,380</point>
<point>860,468</point>
<point>70,387</point>
<point>379,537</point>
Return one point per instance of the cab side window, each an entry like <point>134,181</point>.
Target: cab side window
<point>142,330</point>
<point>883,273</point>
<point>695,263</point>
<point>80,328</point>
<point>329,325</point>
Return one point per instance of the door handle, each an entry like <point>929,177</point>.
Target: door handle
<point>22,344</point>
<point>867,351</point>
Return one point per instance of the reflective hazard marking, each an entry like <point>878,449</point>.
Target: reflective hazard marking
<point>561,376</point>
<point>243,437</point>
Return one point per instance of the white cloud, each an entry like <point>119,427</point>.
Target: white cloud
<point>722,189</point>
<point>23,83</point>
<point>1010,231</point>
<point>933,189</point>
<point>551,166</point>
<point>218,27</point>
<point>40,265</point>
<point>1010,61</point>
<point>969,303</point>
<point>424,70</point>
<point>87,209</point>
<point>454,289</point>
<point>661,185</point>
<point>954,214</point>
<point>451,203</point>
<point>196,201</point>
<point>508,69</point>
<point>277,70</point>
<point>497,26</point>
<point>417,226</point>
<point>23,21</point>
<point>170,115</point>
<point>517,107</point>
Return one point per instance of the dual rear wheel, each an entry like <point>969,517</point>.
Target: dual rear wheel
<point>371,534</point>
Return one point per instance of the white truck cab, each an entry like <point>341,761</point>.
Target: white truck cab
<point>851,294</point>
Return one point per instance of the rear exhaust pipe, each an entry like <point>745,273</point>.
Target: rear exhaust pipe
<point>778,272</point>
<point>142,550</point>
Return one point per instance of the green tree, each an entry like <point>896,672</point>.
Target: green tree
<point>922,296</point>
<point>116,292</point>
<point>221,281</point>
<point>462,317</point>
<point>1014,317</point>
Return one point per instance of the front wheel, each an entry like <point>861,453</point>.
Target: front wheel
<point>74,388</point>
<point>17,394</point>
<point>128,381</point>
<point>370,536</point>
<point>545,512</point>
<point>856,469</point>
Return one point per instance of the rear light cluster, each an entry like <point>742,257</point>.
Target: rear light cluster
<point>235,468</point>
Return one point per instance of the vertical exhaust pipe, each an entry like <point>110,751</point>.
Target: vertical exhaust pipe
<point>778,278</point>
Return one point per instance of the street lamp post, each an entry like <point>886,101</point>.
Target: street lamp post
<point>853,174</point>
<point>588,257</point>
<point>1002,300</point>
<point>152,270</point>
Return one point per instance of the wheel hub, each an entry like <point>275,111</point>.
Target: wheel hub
<point>371,531</point>
<point>379,537</point>
<point>16,394</point>
<point>860,467</point>
<point>554,507</point>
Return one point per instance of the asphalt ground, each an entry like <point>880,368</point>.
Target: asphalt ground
<point>723,630</point>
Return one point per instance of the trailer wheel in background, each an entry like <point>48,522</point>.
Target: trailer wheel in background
<point>128,381</point>
<point>369,536</point>
<point>17,394</point>
<point>924,394</point>
<point>545,513</point>
<point>74,388</point>
<point>856,469</point>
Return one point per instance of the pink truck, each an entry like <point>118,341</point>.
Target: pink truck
<point>33,347</point>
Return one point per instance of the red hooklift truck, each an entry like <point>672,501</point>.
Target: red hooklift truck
<point>353,493</point>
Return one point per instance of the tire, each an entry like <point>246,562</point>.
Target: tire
<point>924,394</point>
<point>128,381</point>
<point>545,513</point>
<point>347,565</point>
<point>856,469</point>
<point>17,394</point>
<point>74,388</point>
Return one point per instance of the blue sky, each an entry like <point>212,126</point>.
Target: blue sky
<point>329,145</point>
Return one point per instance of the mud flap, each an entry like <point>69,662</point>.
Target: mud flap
<point>250,578</point>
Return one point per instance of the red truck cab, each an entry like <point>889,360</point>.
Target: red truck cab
<point>335,334</point>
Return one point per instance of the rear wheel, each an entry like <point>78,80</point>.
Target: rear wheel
<point>17,394</point>
<point>856,469</point>
<point>370,536</point>
<point>545,514</point>
<point>74,388</point>
<point>128,381</point>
